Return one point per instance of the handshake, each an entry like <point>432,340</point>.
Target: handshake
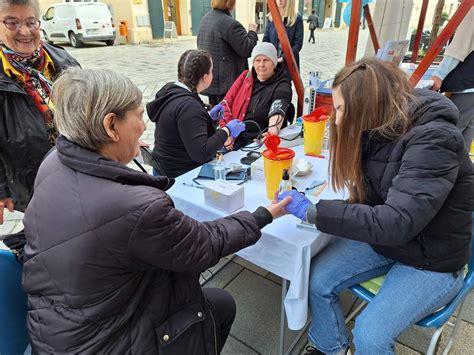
<point>234,126</point>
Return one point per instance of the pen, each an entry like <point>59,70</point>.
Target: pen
<point>192,185</point>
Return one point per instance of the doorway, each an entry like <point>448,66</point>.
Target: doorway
<point>198,9</point>
<point>171,13</point>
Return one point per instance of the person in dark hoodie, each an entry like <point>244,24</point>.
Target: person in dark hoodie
<point>185,134</point>
<point>261,98</point>
<point>111,266</point>
<point>401,158</point>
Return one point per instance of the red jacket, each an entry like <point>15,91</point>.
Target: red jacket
<point>237,99</point>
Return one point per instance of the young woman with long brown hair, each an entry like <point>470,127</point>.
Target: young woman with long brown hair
<point>398,154</point>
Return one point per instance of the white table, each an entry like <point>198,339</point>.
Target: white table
<point>283,249</point>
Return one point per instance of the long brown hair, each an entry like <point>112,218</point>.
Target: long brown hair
<point>376,101</point>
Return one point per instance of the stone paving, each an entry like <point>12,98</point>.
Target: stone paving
<point>257,292</point>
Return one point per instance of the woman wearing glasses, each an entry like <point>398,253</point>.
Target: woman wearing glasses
<point>27,68</point>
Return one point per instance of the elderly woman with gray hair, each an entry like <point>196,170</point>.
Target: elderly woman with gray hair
<point>27,69</point>
<point>110,265</point>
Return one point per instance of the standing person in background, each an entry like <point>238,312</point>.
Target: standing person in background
<point>313,24</point>
<point>229,44</point>
<point>185,135</point>
<point>294,29</point>
<point>27,69</point>
<point>455,76</point>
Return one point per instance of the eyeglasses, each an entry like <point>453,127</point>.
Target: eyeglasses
<point>15,25</point>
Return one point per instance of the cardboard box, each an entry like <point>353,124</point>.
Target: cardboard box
<point>224,196</point>
<point>256,170</point>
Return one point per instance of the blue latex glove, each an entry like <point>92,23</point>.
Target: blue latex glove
<point>217,112</point>
<point>298,205</point>
<point>235,127</point>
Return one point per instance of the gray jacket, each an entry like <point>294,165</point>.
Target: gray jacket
<point>229,44</point>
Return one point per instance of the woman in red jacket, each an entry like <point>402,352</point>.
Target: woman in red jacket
<point>260,97</point>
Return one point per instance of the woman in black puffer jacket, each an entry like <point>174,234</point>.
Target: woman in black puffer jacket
<point>410,181</point>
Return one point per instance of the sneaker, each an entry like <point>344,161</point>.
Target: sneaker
<point>311,350</point>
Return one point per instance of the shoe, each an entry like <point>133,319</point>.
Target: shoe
<point>311,350</point>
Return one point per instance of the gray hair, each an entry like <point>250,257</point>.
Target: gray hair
<point>83,97</point>
<point>5,4</point>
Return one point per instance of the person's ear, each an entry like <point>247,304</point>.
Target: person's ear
<point>110,126</point>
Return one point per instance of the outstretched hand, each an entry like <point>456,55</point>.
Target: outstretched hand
<point>299,203</point>
<point>277,208</point>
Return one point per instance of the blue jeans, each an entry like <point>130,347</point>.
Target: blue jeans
<point>407,295</point>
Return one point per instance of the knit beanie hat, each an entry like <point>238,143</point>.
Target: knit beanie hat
<point>267,49</point>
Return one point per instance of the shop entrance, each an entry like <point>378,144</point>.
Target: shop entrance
<point>171,13</point>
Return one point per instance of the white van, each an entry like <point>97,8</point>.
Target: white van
<point>78,22</point>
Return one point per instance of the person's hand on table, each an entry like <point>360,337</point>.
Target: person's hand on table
<point>278,209</point>
<point>229,143</point>
<point>6,203</point>
<point>299,203</point>
<point>436,83</point>
<point>217,112</point>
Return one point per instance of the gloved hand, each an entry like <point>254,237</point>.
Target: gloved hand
<point>217,112</point>
<point>298,205</point>
<point>235,127</point>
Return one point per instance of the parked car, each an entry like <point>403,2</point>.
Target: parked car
<point>78,22</point>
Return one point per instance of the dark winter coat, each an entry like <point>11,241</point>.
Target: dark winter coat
<point>295,36</point>
<point>23,136</point>
<point>313,22</point>
<point>420,193</point>
<point>229,44</point>
<point>461,77</point>
<point>112,267</point>
<point>185,136</point>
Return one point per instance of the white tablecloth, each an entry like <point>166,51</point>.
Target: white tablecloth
<point>283,249</point>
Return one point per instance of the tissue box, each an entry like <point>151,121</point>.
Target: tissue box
<point>224,196</point>
<point>256,170</point>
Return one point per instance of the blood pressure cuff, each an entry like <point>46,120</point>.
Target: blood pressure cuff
<point>278,107</point>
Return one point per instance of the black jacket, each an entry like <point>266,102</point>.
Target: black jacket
<point>111,267</point>
<point>420,194</point>
<point>229,44</point>
<point>295,36</point>
<point>23,136</point>
<point>185,136</point>
<point>264,93</point>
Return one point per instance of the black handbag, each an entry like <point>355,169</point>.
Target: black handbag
<point>16,243</point>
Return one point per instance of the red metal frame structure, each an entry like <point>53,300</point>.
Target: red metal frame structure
<point>353,32</point>
<point>419,31</point>
<point>289,57</point>
<point>370,24</point>
<point>441,40</point>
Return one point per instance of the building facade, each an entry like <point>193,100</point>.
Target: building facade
<point>149,19</point>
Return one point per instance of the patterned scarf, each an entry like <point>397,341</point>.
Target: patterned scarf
<point>35,83</point>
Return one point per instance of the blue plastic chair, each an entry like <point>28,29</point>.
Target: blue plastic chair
<point>367,291</point>
<point>13,306</point>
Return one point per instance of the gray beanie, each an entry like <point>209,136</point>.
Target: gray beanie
<point>267,49</point>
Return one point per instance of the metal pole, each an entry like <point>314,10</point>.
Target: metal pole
<point>353,32</point>
<point>419,31</point>
<point>370,24</point>
<point>441,40</point>
<point>289,57</point>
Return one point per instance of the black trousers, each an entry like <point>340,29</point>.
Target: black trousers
<point>311,35</point>
<point>223,309</point>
